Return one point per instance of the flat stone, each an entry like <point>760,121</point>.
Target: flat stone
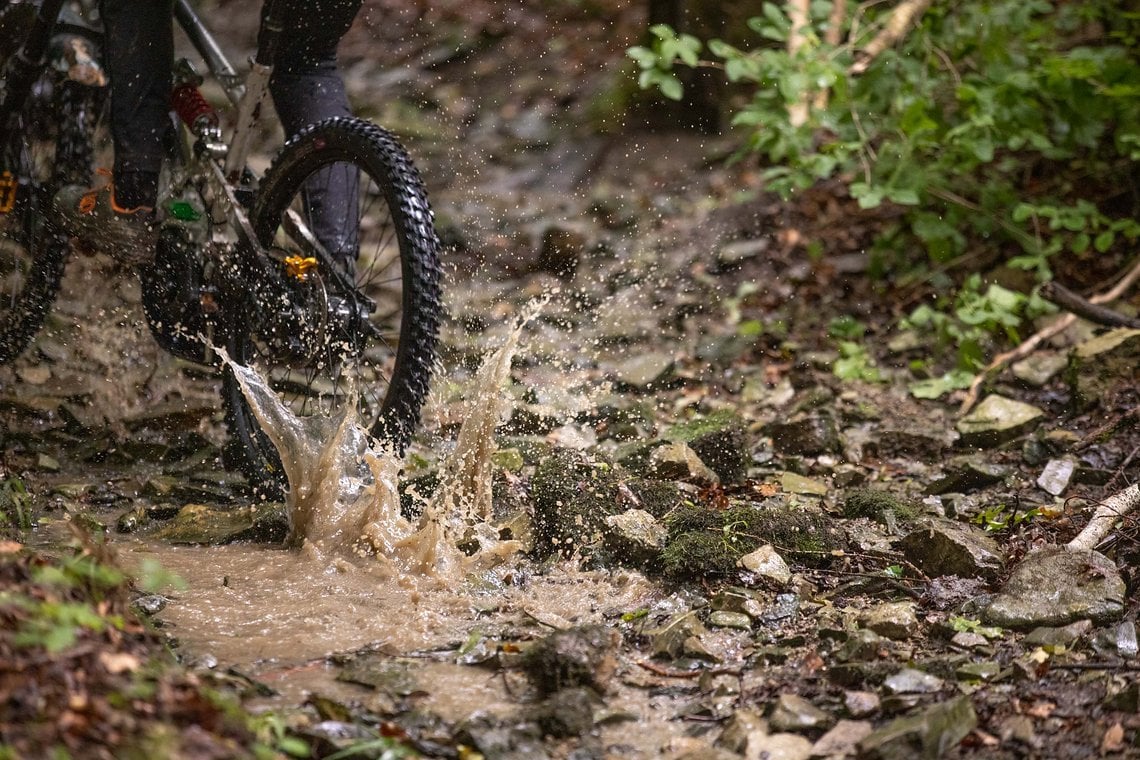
<point>791,482</point>
<point>767,563</point>
<point>808,435</point>
<point>676,461</point>
<point>912,681</point>
<point>1055,587</point>
<point>861,704</point>
<point>740,726</point>
<point>635,536</point>
<point>943,547</point>
<point>645,370</point>
<point>968,473</point>
<point>842,740</point>
<point>1100,363</point>
<point>895,620</point>
<point>929,734</point>
<point>726,619</point>
<point>669,639</point>
<point>862,645</point>
<point>978,671</point>
<point>1039,368</point>
<point>794,713</point>
<point>777,747</point>
<point>997,420</point>
<point>1057,475</point>
<point>1063,636</point>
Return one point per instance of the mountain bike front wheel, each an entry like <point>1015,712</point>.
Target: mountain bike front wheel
<point>50,146</point>
<point>343,195</point>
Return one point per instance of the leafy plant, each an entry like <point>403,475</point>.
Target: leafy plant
<point>986,123</point>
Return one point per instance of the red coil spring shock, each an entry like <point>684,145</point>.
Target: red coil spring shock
<point>194,110</point>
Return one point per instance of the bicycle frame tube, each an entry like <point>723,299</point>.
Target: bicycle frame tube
<point>204,42</point>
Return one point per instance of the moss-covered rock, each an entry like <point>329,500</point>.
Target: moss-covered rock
<point>572,497</point>
<point>876,504</point>
<point>720,440</point>
<point>708,543</point>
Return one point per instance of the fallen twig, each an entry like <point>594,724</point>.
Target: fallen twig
<point>1110,510</point>
<point>897,25</point>
<point>1057,326</point>
<point>1095,313</point>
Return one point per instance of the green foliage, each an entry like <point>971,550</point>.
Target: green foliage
<point>854,363</point>
<point>657,60</point>
<point>986,123</point>
<point>969,625</point>
<point>15,507</point>
<point>999,517</point>
<point>968,322</point>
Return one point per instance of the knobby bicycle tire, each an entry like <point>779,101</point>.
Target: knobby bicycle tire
<point>51,147</point>
<point>396,234</point>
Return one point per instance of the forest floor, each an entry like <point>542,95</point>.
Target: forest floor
<point>766,559</point>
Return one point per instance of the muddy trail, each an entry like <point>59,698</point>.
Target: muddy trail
<point>654,524</point>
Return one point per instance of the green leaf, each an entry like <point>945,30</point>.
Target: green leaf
<point>670,86</point>
<point>904,196</point>
<point>1104,241</point>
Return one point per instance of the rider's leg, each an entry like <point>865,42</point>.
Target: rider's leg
<point>139,54</point>
<point>306,88</point>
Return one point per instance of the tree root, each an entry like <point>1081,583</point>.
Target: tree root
<point>1110,510</point>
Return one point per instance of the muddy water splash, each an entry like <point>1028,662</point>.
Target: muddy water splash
<point>343,496</point>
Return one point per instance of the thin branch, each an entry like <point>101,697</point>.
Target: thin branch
<point>904,14</point>
<point>832,36</point>
<point>1070,301</point>
<point>799,12</point>
<point>1110,510</point>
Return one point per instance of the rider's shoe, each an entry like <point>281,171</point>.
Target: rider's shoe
<point>93,216</point>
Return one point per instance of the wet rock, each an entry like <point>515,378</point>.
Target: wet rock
<point>895,620</point>
<point>1098,365</point>
<point>947,548</point>
<point>47,463</point>
<point>1057,475</point>
<point>566,713</point>
<point>805,435</point>
<point>495,737</point>
<point>731,255</point>
<point>201,524</point>
<point>635,537</point>
<point>794,713</point>
<point>777,747</point>
<point>968,473</point>
<point>927,735</point>
<point>911,443</point>
<point>978,671</point>
<point>707,542</point>
<point>396,678</point>
<point>151,604</point>
<point>726,619</point>
<point>583,656</point>
<point>1118,640</point>
<point>1126,698</point>
<point>36,374</point>
<point>790,482</point>
<point>1056,586</point>
<point>1063,636</point>
<point>767,563</point>
<point>997,420</point>
<point>866,537</point>
<point>877,504</point>
<point>969,640</point>
<point>862,645</point>
<point>669,640</point>
<point>561,249</point>
<point>861,704</point>
<point>572,496</point>
<point>736,599</point>
<point>912,681</point>
<point>676,461</point>
<point>842,740</point>
<point>645,370</point>
<point>1039,367</point>
<point>740,726</point>
<point>721,442</point>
